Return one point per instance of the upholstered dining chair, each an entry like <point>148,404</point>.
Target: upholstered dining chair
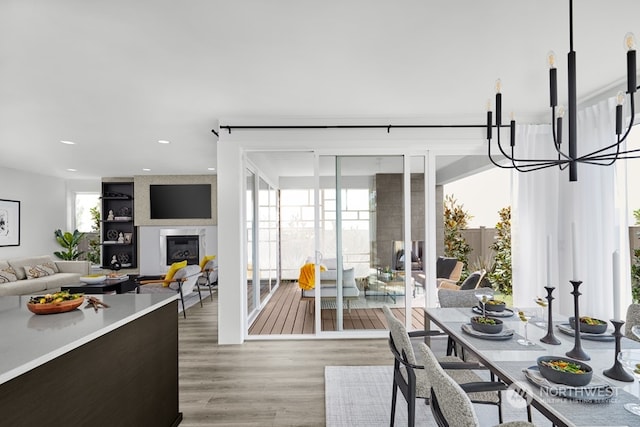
<point>633,319</point>
<point>410,377</point>
<point>457,298</point>
<point>451,404</point>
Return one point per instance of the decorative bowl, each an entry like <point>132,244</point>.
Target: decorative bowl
<point>560,370</point>
<point>54,307</point>
<point>589,325</point>
<point>486,325</point>
<point>93,278</point>
<point>495,305</point>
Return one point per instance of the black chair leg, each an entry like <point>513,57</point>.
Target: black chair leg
<point>184,310</point>
<point>411,410</point>
<point>394,395</point>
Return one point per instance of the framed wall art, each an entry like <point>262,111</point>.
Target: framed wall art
<point>9,222</point>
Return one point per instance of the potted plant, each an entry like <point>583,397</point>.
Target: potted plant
<point>69,241</point>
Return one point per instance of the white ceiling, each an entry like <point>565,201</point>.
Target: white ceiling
<point>117,76</point>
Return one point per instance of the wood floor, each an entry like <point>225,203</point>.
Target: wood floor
<point>259,383</point>
<point>286,313</point>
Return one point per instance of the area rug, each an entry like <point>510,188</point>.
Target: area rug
<point>361,396</point>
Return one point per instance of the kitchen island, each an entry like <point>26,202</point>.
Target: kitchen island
<point>114,366</point>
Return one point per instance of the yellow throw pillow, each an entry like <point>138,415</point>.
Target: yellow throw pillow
<point>205,260</point>
<point>172,271</point>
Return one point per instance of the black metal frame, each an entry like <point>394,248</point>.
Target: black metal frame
<point>408,387</point>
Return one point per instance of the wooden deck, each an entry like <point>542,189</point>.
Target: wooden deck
<point>286,313</point>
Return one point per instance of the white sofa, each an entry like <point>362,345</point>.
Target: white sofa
<point>39,274</point>
<point>328,280</point>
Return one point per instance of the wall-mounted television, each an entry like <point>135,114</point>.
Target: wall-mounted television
<point>180,201</point>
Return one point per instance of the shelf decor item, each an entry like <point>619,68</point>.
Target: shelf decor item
<point>550,338</point>
<point>577,352</point>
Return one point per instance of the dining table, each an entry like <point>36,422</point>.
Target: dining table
<point>514,363</point>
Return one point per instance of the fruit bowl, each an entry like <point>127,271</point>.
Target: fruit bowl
<point>589,325</point>
<point>486,325</point>
<point>93,278</point>
<point>58,302</point>
<point>495,305</point>
<point>566,371</point>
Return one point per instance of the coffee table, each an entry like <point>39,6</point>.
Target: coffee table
<point>119,286</point>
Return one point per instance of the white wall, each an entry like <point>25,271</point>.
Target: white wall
<point>43,209</point>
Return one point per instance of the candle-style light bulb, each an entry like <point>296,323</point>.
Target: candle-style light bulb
<point>561,111</point>
<point>630,41</point>
<point>498,86</point>
<point>551,59</point>
<point>620,98</point>
<point>488,104</point>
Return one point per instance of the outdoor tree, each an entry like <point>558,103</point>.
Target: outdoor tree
<point>501,275</point>
<point>456,219</point>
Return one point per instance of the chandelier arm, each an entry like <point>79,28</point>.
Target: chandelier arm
<point>633,114</point>
<point>535,167</point>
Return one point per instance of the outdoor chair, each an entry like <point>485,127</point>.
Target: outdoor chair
<point>451,404</point>
<point>410,377</point>
<point>448,271</point>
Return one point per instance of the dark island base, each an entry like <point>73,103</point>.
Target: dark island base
<point>128,377</point>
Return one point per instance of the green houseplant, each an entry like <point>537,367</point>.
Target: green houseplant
<point>69,241</point>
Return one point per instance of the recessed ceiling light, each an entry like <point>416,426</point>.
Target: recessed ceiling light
<point>72,170</point>
<point>211,169</point>
<point>68,142</point>
<point>146,169</point>
<point>163,141</point>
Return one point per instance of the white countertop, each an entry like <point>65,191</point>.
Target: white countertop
<point>28,340</point>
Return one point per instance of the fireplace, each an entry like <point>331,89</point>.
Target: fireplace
<point>184,247</point>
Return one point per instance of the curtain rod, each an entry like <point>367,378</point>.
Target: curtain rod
<point>387,127</point>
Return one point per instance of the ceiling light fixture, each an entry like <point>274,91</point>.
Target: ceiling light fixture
<point>146,169</point>
<point>604,156</point>
<point>72,170</point>
<point>211,169</point>
<point>68,142</point>
<point>163,141</point>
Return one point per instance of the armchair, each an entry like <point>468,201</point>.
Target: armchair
<point>183,281</point>
<point>448,272</point>
<point>209,277</point>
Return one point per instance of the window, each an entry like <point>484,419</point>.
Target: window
<point>84,203</point>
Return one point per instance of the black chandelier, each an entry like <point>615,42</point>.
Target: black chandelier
<point>604,156</point>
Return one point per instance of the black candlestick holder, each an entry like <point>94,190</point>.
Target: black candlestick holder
<point>617,372</point>
<point>577,352</point>
<point>550,338</point>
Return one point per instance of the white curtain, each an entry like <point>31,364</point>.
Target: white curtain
<point>534,218</point>
<point>548,206</point>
